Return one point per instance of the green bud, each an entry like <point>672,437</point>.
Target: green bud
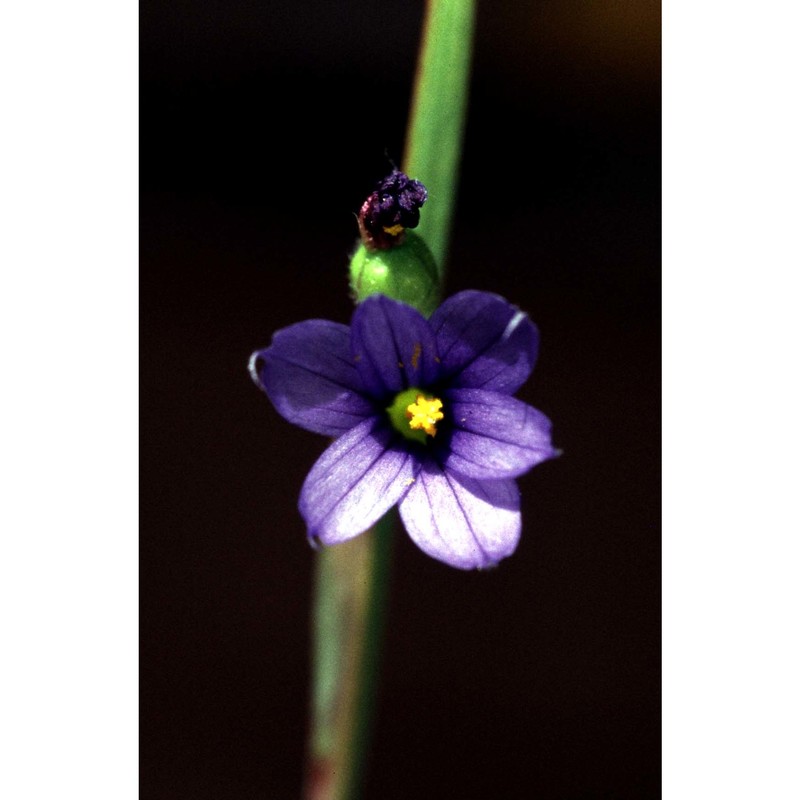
<point>406,273</point>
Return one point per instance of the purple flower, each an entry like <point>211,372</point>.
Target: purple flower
<point>424,418</point>
<point>390,209</point>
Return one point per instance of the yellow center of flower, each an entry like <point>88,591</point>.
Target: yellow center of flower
<point>415,415</point>
<point>394,230</point>
<point>424,413</point>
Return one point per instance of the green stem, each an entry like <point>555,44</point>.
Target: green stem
<point>351,578</point>
<point>438,114</point>
<point>350,593</point>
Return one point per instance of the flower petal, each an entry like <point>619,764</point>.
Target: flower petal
<point>310,377</point>
<point>485,342</point>
<point>355,482</point>
<point>464,522</point>
<point>393,347</point>
<point>494,435</point>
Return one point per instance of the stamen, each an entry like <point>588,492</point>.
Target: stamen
<point>414,416</point>
<point>424,414</point>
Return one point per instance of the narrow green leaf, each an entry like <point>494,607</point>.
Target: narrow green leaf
<point>439,108</point>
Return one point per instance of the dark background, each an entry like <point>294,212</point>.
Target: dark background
<point>263,127</point>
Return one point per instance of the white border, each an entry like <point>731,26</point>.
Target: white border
<point>69,356</point>
<point>731,402</point>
